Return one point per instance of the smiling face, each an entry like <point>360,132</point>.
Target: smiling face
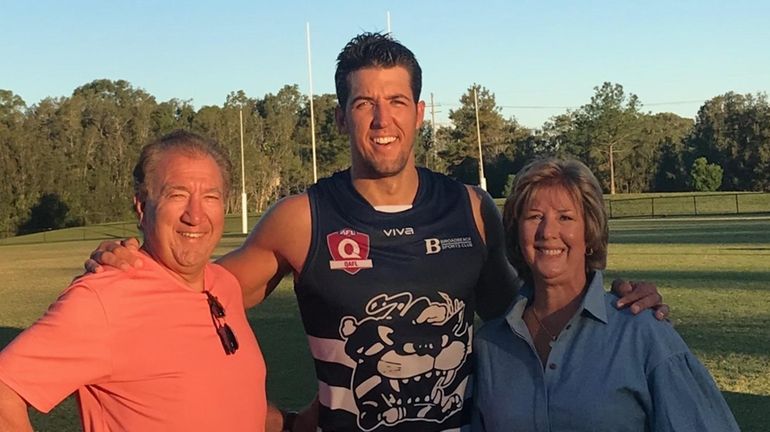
<point>381,118</point>
<point>552,237</point>
<point>183,216</point>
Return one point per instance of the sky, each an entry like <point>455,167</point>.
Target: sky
<point>539,58</point>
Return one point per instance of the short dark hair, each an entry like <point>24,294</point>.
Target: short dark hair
<point>179,140</point>
<point>584,189</point>
<point>374,50</point>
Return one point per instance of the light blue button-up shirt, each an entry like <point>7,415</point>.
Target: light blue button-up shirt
<point>608,371</point>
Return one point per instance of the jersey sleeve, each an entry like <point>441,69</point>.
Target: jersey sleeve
<point>685,397</point>
<point>498,282</point>
<point>65,349</point>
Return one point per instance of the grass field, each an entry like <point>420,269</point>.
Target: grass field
<point>714,272</point>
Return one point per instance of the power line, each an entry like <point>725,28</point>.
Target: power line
<point>548,107</point>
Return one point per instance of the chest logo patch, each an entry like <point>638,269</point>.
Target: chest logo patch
<point>349,250</point>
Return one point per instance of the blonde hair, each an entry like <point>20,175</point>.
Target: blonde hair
<point>580,183</point>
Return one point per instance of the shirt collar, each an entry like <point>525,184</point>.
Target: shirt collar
<point>593,302</point>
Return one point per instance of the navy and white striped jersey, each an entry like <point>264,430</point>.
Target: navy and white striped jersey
<point>387,301</point>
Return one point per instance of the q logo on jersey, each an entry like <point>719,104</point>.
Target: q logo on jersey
<point>349,250</point>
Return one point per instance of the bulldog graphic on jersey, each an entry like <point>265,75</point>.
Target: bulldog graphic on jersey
<point>407,352</point>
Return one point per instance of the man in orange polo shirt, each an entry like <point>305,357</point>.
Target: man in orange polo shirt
<point>166,347</point>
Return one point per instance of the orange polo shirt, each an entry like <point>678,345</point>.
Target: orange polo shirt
<point>142,352</point>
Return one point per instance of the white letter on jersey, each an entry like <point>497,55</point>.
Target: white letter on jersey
<point>355,250</point>
<point>432,246</point>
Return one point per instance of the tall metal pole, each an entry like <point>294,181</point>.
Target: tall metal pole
<point>482,179</point>
<point>388,19</point>
<point>312,114</point>
<point>244,204</point>
<point>433,131</point>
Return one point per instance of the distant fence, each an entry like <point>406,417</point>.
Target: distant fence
<point>689,205</point>
<point>117,230</point>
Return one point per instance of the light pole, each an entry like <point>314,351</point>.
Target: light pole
<point>244,206</point>
<point>312,115</point>
<point>482,179</point>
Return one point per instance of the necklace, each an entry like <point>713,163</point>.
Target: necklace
<point>543,327</point>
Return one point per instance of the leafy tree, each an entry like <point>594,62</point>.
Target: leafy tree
<point>499,140</point>
<point>557,137</point>
<point>223,125</point>
<point>432,150</point>
<point>463,144</point>
<point>171,115</point>
<point>49,213</point>
<point>638,171</point>
<point>670,132</point>
<point>332,148</point>
<point>604,132</point>
<point>15,198</point>
<point>705,177</point>
<point>735,130</point>
<point>509,183</point>
<point>282,167</point>
<point>115,122</point>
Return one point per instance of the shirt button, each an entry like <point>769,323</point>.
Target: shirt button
<point>552,366</point>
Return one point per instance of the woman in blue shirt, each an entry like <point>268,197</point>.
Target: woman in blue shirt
<point>564,358</point>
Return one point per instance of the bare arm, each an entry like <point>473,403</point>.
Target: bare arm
<point>274,419</point>
<point>498,282</point>
<point>277,246</point>
<point>13,411</point>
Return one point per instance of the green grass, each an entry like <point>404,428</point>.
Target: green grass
<point>714,273</point>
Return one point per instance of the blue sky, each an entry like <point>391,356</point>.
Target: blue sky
<point>672,54</point>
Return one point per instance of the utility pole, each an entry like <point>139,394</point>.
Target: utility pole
<point>482,179</point>
<point>612,171</point>
<point>244,204</point>
<point>387,18</point>
<point>312,114</point>
<point>433,132</point>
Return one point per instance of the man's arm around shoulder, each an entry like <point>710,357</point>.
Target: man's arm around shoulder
<point>276,246</point>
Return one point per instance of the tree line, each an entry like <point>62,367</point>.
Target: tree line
<point>67,161</point>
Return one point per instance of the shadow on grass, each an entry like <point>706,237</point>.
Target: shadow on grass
<point>751,411</point>
<point>695,278</point>
<point>716,330</point>
<point>749,337</point>
<point>291,381</point>
<point>7,334</point>
<point>692,232</point>
<point>749,249</point>
<point>722,251</point>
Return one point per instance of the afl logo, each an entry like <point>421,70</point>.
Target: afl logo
<point>349,250</point>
